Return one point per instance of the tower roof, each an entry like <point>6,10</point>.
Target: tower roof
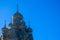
<point>17,14</point>
<point>5,25</point>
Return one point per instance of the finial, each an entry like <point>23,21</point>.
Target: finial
<point>29,23</point>
<point>5,24</point>
<point>17,7</point>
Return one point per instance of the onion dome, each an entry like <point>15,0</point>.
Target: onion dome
<point>17,15</point>
<point>22,23</point>
<point>29,29</point>
<point>4,28</point>
<point>10,24</point>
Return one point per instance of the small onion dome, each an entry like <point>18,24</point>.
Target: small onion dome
<point>23,23</point>
<point>11,24</point>
<point>17,15</point>
<point>4,29</point>
<point>29,29</point>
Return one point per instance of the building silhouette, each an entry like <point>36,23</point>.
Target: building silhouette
<point>17,30</point>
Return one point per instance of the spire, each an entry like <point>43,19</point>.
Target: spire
<point>5,23</point>
<point>29,23</point>
<point>29,29</point>
<point>17,7</point>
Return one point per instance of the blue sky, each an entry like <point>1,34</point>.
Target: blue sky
<point>44,16</point>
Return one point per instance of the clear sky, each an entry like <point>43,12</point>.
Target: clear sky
<point>44,16</point>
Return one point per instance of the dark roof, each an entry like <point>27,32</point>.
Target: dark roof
<point>18,14</point>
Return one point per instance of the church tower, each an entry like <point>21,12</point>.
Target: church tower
<point>18,29</point>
